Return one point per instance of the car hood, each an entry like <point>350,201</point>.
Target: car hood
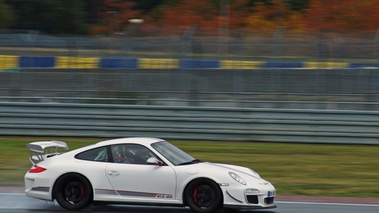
<point>208,167</point>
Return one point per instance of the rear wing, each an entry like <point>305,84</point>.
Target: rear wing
<point>41,150</point>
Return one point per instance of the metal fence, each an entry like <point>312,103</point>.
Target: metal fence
<point>297,89</point>
<point>193,42</point>
<point>324,87</point>
<point>196,123</point>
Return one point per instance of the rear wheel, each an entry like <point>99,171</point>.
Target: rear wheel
<point>73,192</point>
<point>203,196</point>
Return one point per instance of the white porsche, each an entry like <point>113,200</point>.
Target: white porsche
<point>144,171</point>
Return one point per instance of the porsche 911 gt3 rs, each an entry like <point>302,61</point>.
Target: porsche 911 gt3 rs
<point>140,171</point>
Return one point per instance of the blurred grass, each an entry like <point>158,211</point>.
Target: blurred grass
<point>301,169</point>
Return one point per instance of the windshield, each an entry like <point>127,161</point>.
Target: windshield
<point>172,153</point>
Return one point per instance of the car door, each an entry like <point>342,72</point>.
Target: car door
<point>133,179</point>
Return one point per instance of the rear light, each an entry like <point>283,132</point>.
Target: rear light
<point>36,169</point>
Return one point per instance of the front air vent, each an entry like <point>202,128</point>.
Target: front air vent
<point>269,200</point>
<point>253,199</point>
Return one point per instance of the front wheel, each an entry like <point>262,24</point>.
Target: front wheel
<point>73,192</point>
<point>203,196</point>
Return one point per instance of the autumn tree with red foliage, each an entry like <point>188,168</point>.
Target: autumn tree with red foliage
<point>275,14</point>
<point>333,15</point>
<point>116,15</point>
<point>189,13</point>
<point>233,14</point>
<point>347,15</point>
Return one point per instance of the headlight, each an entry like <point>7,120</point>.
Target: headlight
<point>237,178</point>
<point>252,191</point>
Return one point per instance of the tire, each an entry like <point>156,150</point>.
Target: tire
<point>203,196</point>
<point>73,192</point>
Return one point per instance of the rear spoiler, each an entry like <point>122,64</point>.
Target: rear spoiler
<point>41,150</point>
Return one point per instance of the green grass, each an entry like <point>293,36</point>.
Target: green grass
<point>301,169</point>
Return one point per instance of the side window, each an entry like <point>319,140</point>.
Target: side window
<point>131,153</point>
<point>98,154</point>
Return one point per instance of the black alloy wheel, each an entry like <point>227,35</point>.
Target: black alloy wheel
<point>203,196</point>
<point>73,192</point>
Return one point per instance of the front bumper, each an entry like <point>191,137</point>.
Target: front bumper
<point>245,197</point>
<point>246,208</point>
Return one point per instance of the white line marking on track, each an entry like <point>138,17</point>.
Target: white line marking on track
<point>284,202</point>
<point>335,204</point>
<point>18,194</point>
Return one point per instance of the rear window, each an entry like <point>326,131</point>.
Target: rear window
<point>99,154</point>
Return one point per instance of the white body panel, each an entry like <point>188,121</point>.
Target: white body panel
<point>130,183</point>
<point>152,183</point>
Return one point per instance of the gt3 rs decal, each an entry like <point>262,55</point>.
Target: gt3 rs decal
<point>144,194</point>
<point>136,194</point>
<point>131,193</point>
<point>167,196</point>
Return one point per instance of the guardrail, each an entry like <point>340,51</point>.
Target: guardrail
<point>195,123</point>
<point>203,102</point>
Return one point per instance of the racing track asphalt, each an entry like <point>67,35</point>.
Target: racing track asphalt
<point>13,200</point>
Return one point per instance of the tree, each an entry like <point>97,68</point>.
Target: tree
<point>336,16</point>
<point>147,5</point>
<point>186,13</point>
<point>299,5</point>
<point>6,15</point>
<point>276,13</point>
<point>238,11</point>
<point>50,16</point>
<point>116,15</point>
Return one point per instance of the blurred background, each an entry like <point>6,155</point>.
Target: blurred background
<point>297,71</point>
<point>239,53</point>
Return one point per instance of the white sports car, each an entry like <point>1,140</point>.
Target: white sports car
<point>141,171</point>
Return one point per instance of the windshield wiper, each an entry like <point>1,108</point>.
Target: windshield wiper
<point>191,162</point>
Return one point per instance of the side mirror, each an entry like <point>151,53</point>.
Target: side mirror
<point>154,161</point>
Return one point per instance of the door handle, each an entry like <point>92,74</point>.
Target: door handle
<point>113,173</point>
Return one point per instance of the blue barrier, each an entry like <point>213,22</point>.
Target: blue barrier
<point>273,64</point>
<point>37,61</point>
<point>135,63</point>
<point>363,65</point>
<point>199,64</point>
<point>130,63</point>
